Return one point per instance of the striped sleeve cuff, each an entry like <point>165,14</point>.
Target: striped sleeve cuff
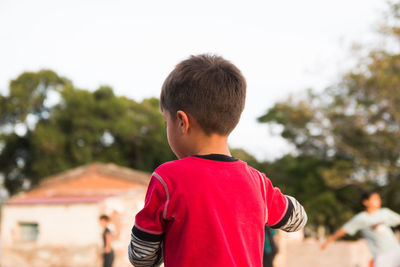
<point>286,217</point>
<point>145,250</point>
<point>146,236</point>
<point>295,217</point>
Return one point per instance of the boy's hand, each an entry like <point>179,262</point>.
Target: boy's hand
<point>325,244</point>
<point>334,237</point>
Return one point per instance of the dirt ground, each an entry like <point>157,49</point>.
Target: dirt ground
<point>307,253</point>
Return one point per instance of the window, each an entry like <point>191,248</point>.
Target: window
<point>29,231</point>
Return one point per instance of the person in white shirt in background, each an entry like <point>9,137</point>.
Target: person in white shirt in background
<point>375,225</point>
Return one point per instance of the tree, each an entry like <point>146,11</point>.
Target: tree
<point>353,125</point>
<point>26,99</point>
<point>245,156</point>
<point>81,127</point>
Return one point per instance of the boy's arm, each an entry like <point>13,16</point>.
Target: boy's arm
<point>350,228</point>
<point>339,233</point>
<point>145,247</point>
<point>283,212</point>
<point>145,250</point>
<point>295,217</point>
<point>392,218</point>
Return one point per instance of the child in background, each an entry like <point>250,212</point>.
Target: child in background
<point>270,248</point>
<point>207,208</point>
<point>108,253</point>
<point>374,224</point>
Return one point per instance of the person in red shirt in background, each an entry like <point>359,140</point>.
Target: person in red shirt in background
<point>207,208</point>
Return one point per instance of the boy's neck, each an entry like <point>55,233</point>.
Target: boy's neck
<point>371,210</point>
<point>212,144</point>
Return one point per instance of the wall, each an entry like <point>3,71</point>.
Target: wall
<point>67,225</point>
<point>69,235</point>
<point>31,255</point>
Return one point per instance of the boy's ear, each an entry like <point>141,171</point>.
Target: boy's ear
<point>183,121</point>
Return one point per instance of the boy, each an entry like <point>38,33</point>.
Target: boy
<point>108,253</point>
<point>374,224</point>
<point>207,208</point>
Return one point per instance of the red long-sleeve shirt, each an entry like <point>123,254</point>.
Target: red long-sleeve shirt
<point>210,211</point>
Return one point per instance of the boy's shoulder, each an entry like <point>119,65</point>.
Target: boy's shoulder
<point>385,210</point>
<point>169,168</point>
<point>173,164</point>
<point>194,164</point>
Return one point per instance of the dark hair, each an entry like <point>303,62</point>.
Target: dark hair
<point>208,87</point>
<point>367,194</point>
<point>105,217</point>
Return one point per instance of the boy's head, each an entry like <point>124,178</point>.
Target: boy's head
<point>104,220</point>
<point>209,89</point>
<point>371,199</point>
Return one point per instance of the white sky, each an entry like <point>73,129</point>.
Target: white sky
<point>281,47</point>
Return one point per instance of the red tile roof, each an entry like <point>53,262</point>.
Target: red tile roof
<point>56,200</point>
<point>86,184</point>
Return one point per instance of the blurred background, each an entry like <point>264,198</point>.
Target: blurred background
<point>81,131</point>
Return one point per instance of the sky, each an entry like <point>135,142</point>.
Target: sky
<point>282,47</point>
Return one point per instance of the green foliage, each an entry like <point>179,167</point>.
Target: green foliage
<point>303,177</point>
<point>352,131</point>
<point>243,155</point>
<point>82,127</point>
<point>28,92</point>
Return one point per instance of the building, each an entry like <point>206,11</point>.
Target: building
<point>57,222</point>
